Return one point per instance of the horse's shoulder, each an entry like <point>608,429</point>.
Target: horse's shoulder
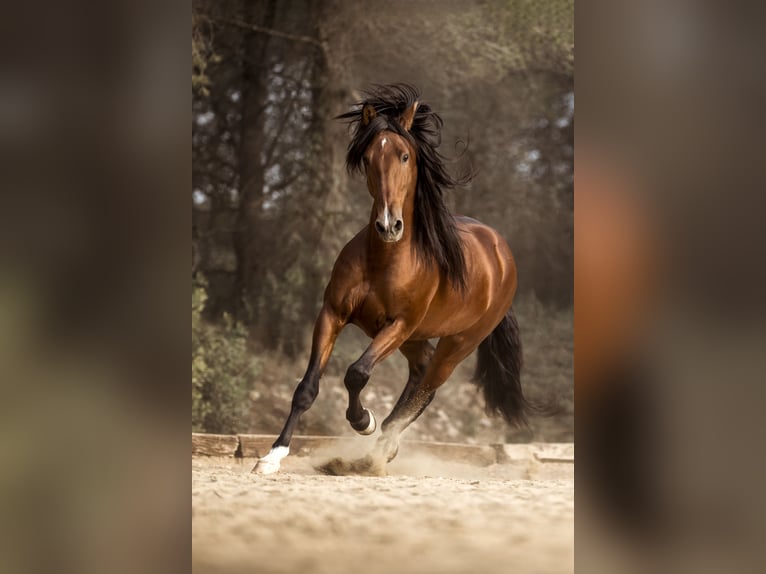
<point>351,258</point>
<point>347,286</point>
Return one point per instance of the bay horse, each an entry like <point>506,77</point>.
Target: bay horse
<point>415,273</point>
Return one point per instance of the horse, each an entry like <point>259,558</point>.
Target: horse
<point>415,272</point>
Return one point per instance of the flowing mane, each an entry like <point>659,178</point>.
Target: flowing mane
<point>436,236</point>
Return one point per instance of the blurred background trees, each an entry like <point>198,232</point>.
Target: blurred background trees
<point>271,202</point>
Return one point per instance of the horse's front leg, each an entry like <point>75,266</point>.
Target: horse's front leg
<point>326,330</point>
<point>385,342</point>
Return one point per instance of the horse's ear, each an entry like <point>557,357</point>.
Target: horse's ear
<point>368,114</point>
<point>408,116</point>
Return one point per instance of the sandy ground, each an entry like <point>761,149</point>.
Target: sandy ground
<point>426,516</point>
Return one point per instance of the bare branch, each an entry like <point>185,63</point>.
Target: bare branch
<point>289,109</point>
<point>286,181</point>
<point>271,32</point>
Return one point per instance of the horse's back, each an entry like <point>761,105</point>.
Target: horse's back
<point>490,275</point>
<point>488,254</point>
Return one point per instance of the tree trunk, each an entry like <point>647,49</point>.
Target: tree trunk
<point>249,239</point>
<point>328,210</point>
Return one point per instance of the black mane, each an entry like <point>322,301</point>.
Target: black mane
<point>436,235</point>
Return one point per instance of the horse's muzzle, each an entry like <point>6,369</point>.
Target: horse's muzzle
<point>392,232</point>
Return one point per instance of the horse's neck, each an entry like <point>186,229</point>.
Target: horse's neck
<point>379,250</point>
<point>384,258</point>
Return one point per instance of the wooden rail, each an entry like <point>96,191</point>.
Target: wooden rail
<point>257,445</point>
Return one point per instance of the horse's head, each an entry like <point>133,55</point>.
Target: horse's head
<point>391,168</point>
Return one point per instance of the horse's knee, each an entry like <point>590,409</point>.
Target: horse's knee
<point>426,356</point>
<point>356,377</point>
<point>417,370</point>
<point>419,364</point>
<point>305,394</point>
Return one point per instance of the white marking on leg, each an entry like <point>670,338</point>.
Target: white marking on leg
<point>269,464</point>
<point>371,426</point>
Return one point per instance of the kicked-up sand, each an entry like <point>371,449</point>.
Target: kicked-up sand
<point>427,516</point>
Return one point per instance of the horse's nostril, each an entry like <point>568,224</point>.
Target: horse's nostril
<point>398,225</point>
<point>379,227</point>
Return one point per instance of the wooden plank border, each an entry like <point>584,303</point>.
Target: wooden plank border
<point>257,445</point>
<point>214,444</point>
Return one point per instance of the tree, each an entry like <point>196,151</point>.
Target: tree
<point>272,203</point>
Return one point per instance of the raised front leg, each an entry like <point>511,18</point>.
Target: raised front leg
<point>385,342</point>
<point>326,330</point>
<point>449,352</point>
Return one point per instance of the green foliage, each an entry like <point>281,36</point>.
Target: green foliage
<point>202,55</point>
<point>223,372</point>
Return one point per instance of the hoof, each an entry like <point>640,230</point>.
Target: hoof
<point>371,425</point>
<point>269,464</point>
<point>264,466</point>
<point>386,447</point>
<point>366,466</point>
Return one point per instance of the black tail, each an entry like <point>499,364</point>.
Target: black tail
<point>498,373</point>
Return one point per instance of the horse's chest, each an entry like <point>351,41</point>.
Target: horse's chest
<point>379,309</point>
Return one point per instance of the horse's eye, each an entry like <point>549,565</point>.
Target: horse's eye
<point>366,161</point>
<point>405,157</point>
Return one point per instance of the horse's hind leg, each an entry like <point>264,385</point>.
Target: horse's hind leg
<point>450,352</point>
<point>418,354</point>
